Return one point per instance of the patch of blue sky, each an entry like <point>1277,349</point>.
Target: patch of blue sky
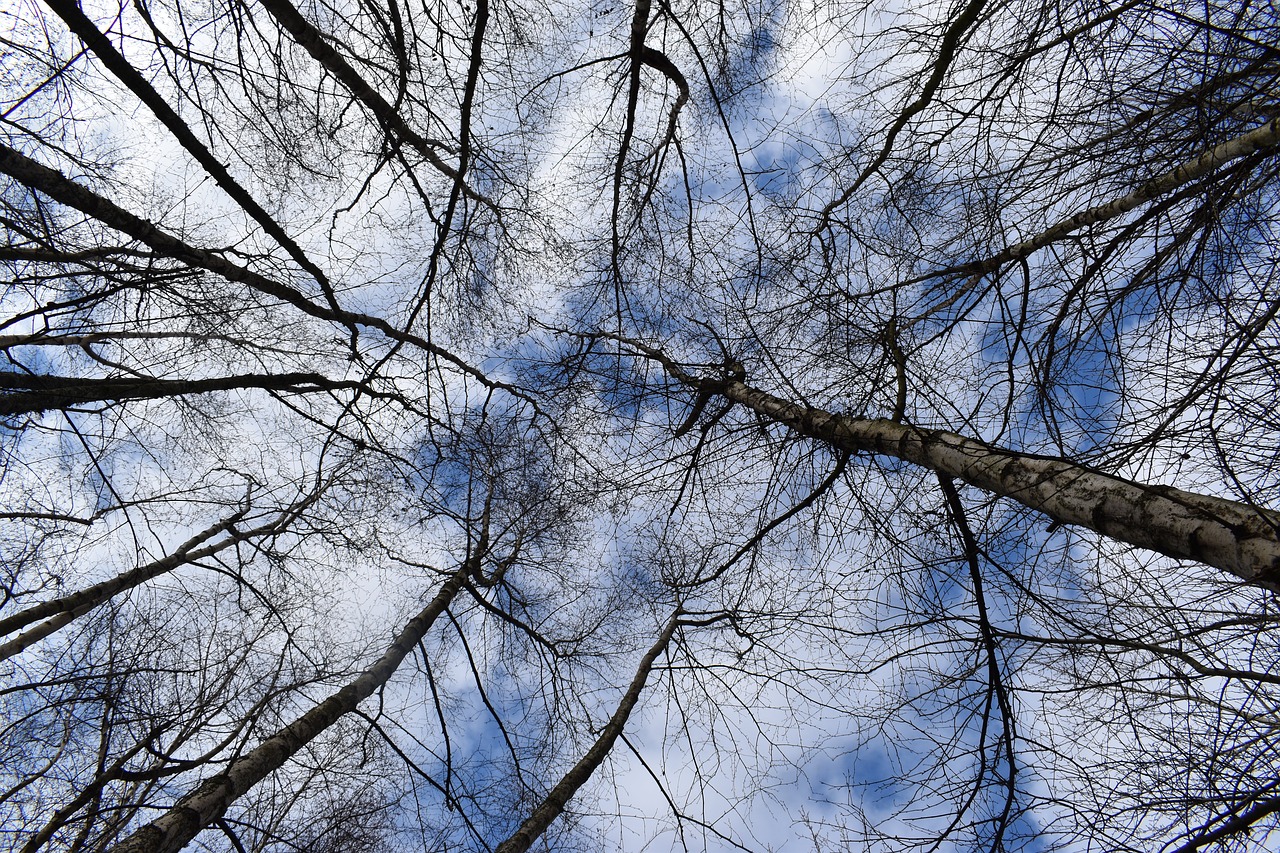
<point>1072,373</point>
<point>775,168</point>
<point>476,777</point>
<point>813,762</point>
<point>824,774</point>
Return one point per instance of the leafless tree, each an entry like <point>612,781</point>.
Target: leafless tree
<point>586,425</point>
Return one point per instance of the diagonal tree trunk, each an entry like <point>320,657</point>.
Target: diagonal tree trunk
<point>313,41</point>
<point>210,800</point>
<point>1264,138</point>
<point>55,614</point>
<point>1238,538</point>
<point>67,192</point>
<point>76,20</point>
<point>558,797</point>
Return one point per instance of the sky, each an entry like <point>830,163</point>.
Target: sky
<point>849,676</point>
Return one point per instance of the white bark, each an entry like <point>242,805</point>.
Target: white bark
<point>57,613</point>
<point>1265,137</point>
<point>1226,534</point>
<point>212,797</point>
<point>554,803</point>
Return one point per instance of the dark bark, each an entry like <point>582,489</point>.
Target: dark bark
<point>65,191</point>
<point>101,47</point>
<point>24,393</point>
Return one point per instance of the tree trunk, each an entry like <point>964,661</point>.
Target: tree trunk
<point>1262,138</point>
<point>212,797</point>
<point>1235,537</point>
<point>55,614</point>
<point>63,190</point>
<point>1225,534</point>
<point>553,804</point>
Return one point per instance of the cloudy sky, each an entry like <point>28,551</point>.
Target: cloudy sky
<point>306,307</point>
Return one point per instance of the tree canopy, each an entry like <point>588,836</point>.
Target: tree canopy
<point>531,425</point>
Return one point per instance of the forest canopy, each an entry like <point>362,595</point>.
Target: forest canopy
<point>509,425</point>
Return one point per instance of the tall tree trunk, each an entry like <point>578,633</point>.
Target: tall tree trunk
<point>554,803</point>
<point>56,613</point>
<point>1235,537</point>
<point>97,42</point>
<point>1264,138</point>
<point>210,800</point>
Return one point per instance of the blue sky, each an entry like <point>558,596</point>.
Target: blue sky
<point>838,698</point>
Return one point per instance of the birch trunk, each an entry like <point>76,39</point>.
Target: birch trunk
<point>1262,138</point>
<point>1225,534</point>
<point>212,797</point>
<point>554,803</point>
<point>57,613</point>
<point>1238,538</point>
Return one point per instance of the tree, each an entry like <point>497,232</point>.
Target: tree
<point>495,426</point>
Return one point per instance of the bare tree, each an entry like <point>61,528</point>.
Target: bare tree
<point>852,425</point>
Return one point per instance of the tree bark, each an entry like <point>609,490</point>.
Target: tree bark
<point>1225,534</point>
<point>1264,138</point>
<point>78,22</point>
<point>1238,538</point>
<point>210,800</point>
<point>313,41</point>
<point>59,612</point>
<point>554,803</point>
<point>63,190</point>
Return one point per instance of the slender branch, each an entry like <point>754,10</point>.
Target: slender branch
<point>946,55</point>
<point>995,681</point>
